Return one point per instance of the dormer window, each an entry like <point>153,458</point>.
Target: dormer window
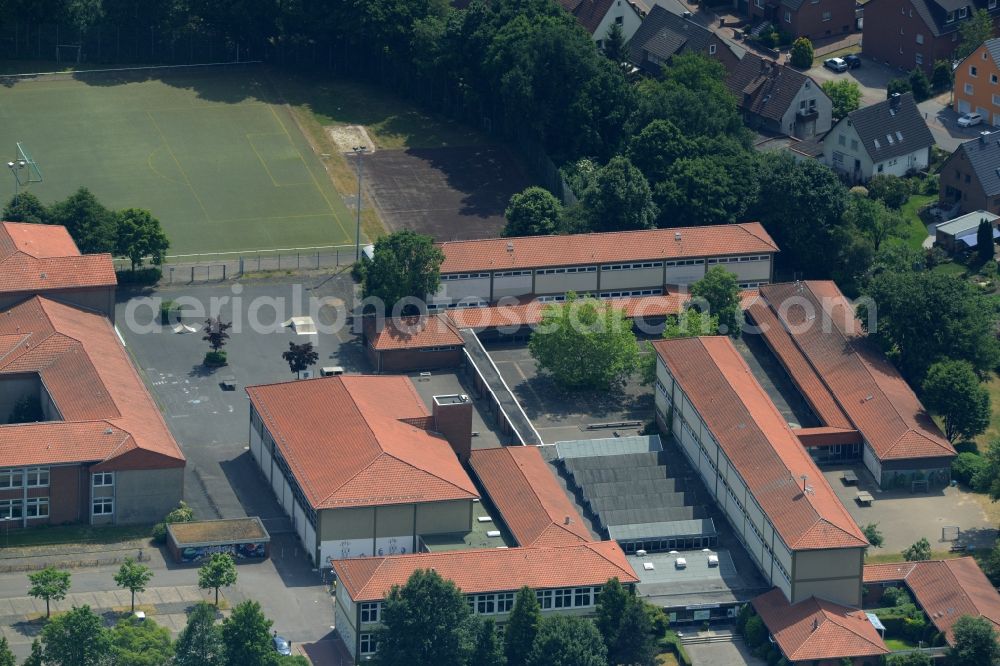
<point>951,17</point>
<point>963,12</point>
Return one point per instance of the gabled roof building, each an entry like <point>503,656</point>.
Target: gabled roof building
<point>597,16</point>
<point>665,34</point>
<point>970,177</point>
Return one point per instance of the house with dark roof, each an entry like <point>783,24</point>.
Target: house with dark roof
<point>970,177</point>
<point>944,589</point>
<point>917,33</point>
<point>778,99</point>
<point>889,138</point>
<point>360,466</point>
<point>597,16</point>
<point>977,79</point>
<point>664,34</point>
<point>814,19</point>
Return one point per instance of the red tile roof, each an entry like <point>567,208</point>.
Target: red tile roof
<point>529,498</point>
<point>347,444</point>
<point>38,258</point>
<point>412,333</point>
<point>490,570</point>
<point>530,313</point>
<point>815,629</point>
<point>759,443</point>
<point>495,254</point>
<point>108,415</point>
<point>589,13</point>
<point>867,388</point>
<point>945,589</point>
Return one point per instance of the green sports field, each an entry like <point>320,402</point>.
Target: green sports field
<point>212,155</point>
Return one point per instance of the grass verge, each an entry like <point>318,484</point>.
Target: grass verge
<point>45,535</point>
<point>890,558</point>
<point>915,231</point>
<point>993,431</point>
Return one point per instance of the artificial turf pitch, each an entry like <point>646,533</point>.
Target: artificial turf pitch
<point>212,156</point>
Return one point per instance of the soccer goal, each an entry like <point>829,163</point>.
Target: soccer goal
<point>25,167</point>
<point>950,533</point>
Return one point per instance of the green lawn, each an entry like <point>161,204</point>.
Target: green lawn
<point>993,431</point>
<point>213,155</point>
<point>75,534</point>
<point>899,644</point>
<point>915,230</point>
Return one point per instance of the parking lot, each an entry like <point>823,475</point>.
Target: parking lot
<point>904,517</point>
<point>872,77</point>
<point>558,415</point>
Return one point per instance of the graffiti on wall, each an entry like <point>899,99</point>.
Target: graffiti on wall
<point>240,551</point>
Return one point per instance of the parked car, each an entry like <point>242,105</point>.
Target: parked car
<point>836,64</point>
<point>969,119</point>
<point>282,646</point>
<point>853,61</point>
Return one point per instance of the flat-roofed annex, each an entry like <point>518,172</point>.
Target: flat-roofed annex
<point>759,443</point>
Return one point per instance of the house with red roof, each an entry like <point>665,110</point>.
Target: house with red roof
<point>566,578</point>
<point>360,466</point>
<point>944,589</point>
<point>407,344</point>
<point>84,441</point>
<point>43,259</point>
<point>619,264</point>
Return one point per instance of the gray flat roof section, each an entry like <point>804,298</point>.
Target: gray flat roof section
<point>696,586</point>
<point>963,224</point>
<point>586,448</point>
<point>623,461</point>
<point>703,527</point>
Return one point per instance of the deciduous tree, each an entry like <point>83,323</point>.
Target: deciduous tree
<point>585,344</point>
<point>488,650</point>
<point>533,212</point>
<point>219,571</point>
<point>133,577</point>
<point>522,627</point>
<point>975,642</point>
<point>845,96</point>
<point>300,357</point>
<point>719,293</point>
<point>564,640</point>
<point>976,30</point>
<point>136,642</point>
<point>425,623</point>
<point>873,220</point>
<point>893,191</point>
<point>404,265</point>
<point>918,551</point>
<point>6,656</point>
<point>25,207</point>
<point>246,635</point>
<point>200,642</point>
<point>76,638</point>
<point>620,198</point>
<point>50,584</point>
<point>655,149</point>
<point>216,332</point>
<point>138,236</point>
<point>90,224</point>
<point>952,391</point>
<point>873,534</point>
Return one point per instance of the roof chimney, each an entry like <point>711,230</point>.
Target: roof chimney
<point>677,236</point>
<point>894,101</point>
<point>453,419</point>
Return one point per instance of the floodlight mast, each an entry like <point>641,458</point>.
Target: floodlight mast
<point>358,151</point>
<point>14,168</point>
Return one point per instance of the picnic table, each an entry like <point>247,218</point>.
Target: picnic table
<point>849,478</point>
<point>865,498</point>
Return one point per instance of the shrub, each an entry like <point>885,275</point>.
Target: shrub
<point>802,53</point>
<point>214,359</point>
<point>755,632</point>
<point>895,596</point>
<point>897,86</point>
<point>182,514</point>
<point>359,268</point>
<point>142,276</point>
<point>941,76</point>
<point>967,447</point>
<point>932,184</point>
<point>966,466</point>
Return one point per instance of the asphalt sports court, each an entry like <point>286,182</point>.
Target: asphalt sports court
<point>204,150</point>
<point>450,193</point>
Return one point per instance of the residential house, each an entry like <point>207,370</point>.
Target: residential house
<point>618,264</point>
<point>779,99</point>
<point>597,16</point>
<point>977,83</point>
<point>917,33</point>
<point>96,449</point>
<point>664,34</point>
<point>970,177</point>
<point>890,138</point>
<point>360,466</point>
<point>814,19</point>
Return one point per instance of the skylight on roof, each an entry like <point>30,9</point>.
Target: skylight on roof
<point>877,144</point>
<point>888,137</point>
<point>899,135</point>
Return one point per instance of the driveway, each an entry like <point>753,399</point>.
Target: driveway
<point>730,653</point>
<point>872,77</point>
<point>942,121</point>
